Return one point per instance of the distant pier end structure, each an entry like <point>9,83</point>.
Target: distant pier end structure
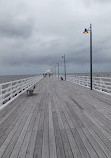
<point>48,72</point>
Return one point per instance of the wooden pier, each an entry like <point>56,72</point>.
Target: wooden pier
<point>60,120</point>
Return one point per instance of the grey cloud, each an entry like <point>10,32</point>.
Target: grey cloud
<point>11,26</point>
<point>34,36</point>
<point>30,60</point>
<point>87,2</point>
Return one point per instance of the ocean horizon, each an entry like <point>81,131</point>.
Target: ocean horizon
<point>8,78</point>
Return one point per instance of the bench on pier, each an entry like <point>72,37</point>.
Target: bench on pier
<point>31,90</point>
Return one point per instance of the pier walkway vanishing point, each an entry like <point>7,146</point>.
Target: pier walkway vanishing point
<point>60,120</point>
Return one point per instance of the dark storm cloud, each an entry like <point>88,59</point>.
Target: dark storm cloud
<point>30,60</point>
<point>15,27</point>
<point>36,35</point>
<point>53,55</point>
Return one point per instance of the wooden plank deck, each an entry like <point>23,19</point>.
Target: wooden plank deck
<point>61,120</point>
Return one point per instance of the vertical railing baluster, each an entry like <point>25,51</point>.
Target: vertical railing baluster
<point>11,91</point>
<point>100,84</point>
<point>1,98</point>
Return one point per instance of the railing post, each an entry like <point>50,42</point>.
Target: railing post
<point>79,80</point>
<point>76,79</point>
<point>11,90</point>
<point>100,84</point>
<point>92,82</point>
<point>1,98</point>
<point>87,81</point>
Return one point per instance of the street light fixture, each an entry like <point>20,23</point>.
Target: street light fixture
<point>86,31</point>
<point>64,66</point>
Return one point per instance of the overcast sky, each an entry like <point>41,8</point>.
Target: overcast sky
<point>35,34</point>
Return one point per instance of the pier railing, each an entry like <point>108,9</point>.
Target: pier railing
<point>102,84</point>
<point>11,90</point>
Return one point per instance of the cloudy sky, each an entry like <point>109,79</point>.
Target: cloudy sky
<point>35,34</point>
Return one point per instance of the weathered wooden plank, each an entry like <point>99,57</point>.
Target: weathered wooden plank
<point>73,144</point>
<point>98,149</point>
<point>75,131</point>
<point>60,120</point>
<point>12,124</point>
<point>22,135</point>
<point>25,143</point>
<point>58,139</point>
<point>8,113</point>
<point>31,145</point>
<point>10,120</point>
<point>65,140</point>
<point>9,108</point>
<point>84,138</point>
<point>69,126</point>
<point>5,122</point>
<point>52,145</point>
<point>10,141</point>
<point>45,147</point>
<point>39,136</point>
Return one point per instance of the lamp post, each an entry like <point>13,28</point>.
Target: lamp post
<point>58,69</point>
<point>64,66</point>
<point>86,31</point>
<point>52,70</point>
<point>55,71</point>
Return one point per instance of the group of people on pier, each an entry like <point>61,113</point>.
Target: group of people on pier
<point>47,74</point>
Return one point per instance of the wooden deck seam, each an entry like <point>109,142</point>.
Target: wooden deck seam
<point>50,124</point>
<point>14,121</point>
<point>22,135</point>
<point>78,137</point>
<point>14,131</point>
<point>92,136</point>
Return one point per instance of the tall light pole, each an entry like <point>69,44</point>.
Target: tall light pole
<point>86,31</point>
<point>55,71</point>
<point>52,70</point>
<point>58,69</point>
<point>64,66</point>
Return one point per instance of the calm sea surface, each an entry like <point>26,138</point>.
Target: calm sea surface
<point>8,78</point>
<point>96,74</point>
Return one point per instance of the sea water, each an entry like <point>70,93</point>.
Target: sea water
<point>8,78</point>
